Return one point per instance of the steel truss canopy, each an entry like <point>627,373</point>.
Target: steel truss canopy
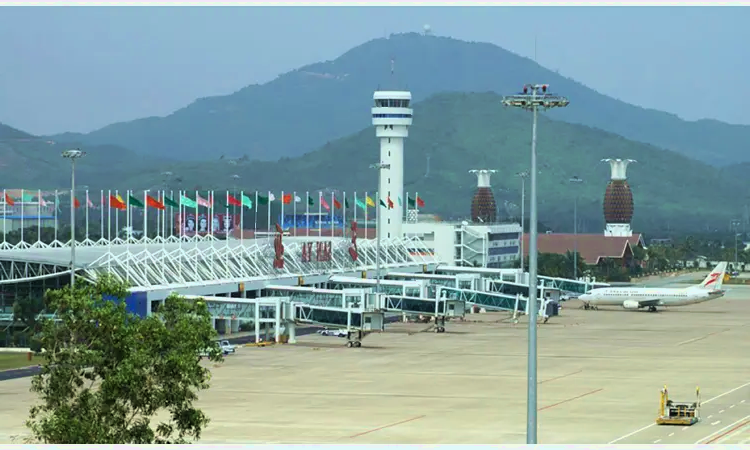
<point>164,262</point>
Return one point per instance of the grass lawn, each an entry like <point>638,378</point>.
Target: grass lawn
<point>17,360</point>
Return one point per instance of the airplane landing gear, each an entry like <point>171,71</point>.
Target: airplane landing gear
<point>652,309</point>
<point>351,344</point>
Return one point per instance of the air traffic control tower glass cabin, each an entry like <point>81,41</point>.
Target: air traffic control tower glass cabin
<point>391,117</point>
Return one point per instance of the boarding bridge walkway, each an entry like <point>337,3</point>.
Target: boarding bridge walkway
<point>407,288</point>
<point>488,300</point>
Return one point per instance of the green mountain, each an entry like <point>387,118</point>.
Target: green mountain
<point>461,132</point>
<point>32,162</point>
<point>305,108</point>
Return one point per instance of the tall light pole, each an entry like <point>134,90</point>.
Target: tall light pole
<point>533,98</point>
<point>73,154</point>
<point>735,225</point>
<point>523,176</point>
<point>575,180</point>
<point>378,228</point>
<point>236,177</point>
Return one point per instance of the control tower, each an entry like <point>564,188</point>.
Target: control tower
<point>391,117</point>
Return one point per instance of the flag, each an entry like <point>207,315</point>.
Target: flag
<point>187,202</point>
<point>399,200</point>
<point>247,202</point>
<point>233,201</point>
<point>42,201</point>
<point>370,202</point>
<point>27,198</point>
<point>116,202</point>
<point>271,197</point>
<point>346,203</point>
<point>324,204</point>
<point>297,199</point>
<point>202,201</point>
<point>262,200</point>
<point>9,200</point>
<point>76,203</point>
<point>134,202</point>
<point>410,201</point>
<point>154,203</point>
<point>361,204</point>
<point>382,203</point>
<point>390,202</point>
<point>287,199</point>
<point>169,202</point>
<point>336,203</point>
<point>89,203</point>
<point>310,201</point>
<point>420,202</point>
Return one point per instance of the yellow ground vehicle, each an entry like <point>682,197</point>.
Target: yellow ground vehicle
<point>673,413</point>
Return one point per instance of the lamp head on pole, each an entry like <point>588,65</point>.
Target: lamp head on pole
<point>73,153</point>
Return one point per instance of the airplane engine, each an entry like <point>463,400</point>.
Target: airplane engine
<point>630,304</point>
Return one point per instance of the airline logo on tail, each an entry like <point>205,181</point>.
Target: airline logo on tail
<point>715,278</point>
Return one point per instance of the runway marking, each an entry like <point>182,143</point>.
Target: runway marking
<point>731,428</point>
<point>670,434</point>
<point>716,423</point>
<point>570,399</point>
<point>722,411</point>
<point>685,428</point>
<point>707,401</point>
<point>709,416</point>
<point>731,407</point>
<point>702,337</point>
<point>742,401</point>
<point>657,441</point>
<point>560,377</point>
<point>386,426</point>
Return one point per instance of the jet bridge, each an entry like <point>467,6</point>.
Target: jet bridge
<point>458,281</point>
<point>408,288</point>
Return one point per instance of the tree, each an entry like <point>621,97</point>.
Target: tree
<point>108,372</point>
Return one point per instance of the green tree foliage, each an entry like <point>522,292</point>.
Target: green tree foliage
<point>108,372</point>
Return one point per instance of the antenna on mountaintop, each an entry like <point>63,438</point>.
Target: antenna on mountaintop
<point>393,65</point>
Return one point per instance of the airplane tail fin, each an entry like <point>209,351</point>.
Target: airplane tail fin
<point>716,277</point>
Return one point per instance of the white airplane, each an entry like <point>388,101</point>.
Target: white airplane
<point>641,297</point>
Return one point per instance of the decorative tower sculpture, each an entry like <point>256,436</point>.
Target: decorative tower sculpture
<point>618,200</point>
<point>483,206</point>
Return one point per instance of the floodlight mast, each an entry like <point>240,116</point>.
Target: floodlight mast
<point>533,98</point>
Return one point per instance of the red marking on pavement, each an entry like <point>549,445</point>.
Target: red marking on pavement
<point>730,431</point>
<point>570,399</point>
<point>560,377</point>
<point>386,426</point>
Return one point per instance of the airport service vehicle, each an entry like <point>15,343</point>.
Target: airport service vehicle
<point>329,332</point>
<point>641,297</point>
<point>227,348</point>
<point>678,413</point>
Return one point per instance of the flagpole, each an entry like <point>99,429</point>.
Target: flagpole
<point>307,213</point>
<point>355,206</point>
<point>117,216</point>
<point>320,214</point>
<point>231,219</point>
<point>333,210</point>
<point>87,215</point>
<point>294,211</point>
<point>366,208</point>
<point>22,241</point>
<point>269,214</point>
<point>56,207</point>
<point>282,210</point>
<point>5,214</point>
<point>255,226</point>
<point>39,217</point>
<point>343,206</point>
<point>242,220</point>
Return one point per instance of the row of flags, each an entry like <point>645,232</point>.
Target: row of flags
<point>160,202</point>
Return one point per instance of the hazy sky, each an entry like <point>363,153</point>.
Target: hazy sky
<point>78,69</point>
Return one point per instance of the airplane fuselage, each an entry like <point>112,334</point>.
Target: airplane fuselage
<point>652,296</point>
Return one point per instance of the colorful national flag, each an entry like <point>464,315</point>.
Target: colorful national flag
<point>310,201</point>
<point>369,202</point>
<point>135,202</point>
<point>76,203</point>
<point>233,201</point>
<point>9,200</point>
<point>271,197</point>
<point>120,199</point>
<point>390,202</point>
<point>324,204</point>
<point>187,202</point>
<point>420,202</point>
<point>346,203</point>
<point>247,202</point>
<point>336,203</point>
<point>413,203</point>
<point>154,203</point>
<point>169,202</point>
<point>382,203</point>
<point>287,199</point>
<point>297,199</point>
<point>89,203</point>
<point>116,202</point>
<point>262,200</point>
<point>202,201</point>
<point>361,204</point>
